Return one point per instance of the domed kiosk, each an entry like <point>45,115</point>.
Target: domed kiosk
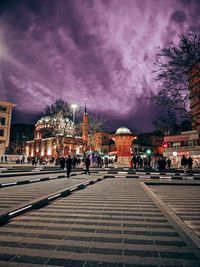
<point>123,139</point>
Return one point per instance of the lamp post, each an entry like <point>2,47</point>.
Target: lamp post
<point>74,106</point>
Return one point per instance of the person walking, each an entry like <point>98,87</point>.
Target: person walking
<point>184,163</point>
<point>169,163</point>
<point>62,163</point>
<point>134,159</point>
<point>68,165</point>
<point>87,165</point>
<point>190,163</point>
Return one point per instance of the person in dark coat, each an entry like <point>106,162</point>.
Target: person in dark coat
<point>190,162</point>
<point>184,163</point>
<point>62,163</point>
<point>134,160</point>
<point>87,165</point>
<point>68,165</point>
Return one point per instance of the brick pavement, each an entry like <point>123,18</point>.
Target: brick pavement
<point>111,223</point>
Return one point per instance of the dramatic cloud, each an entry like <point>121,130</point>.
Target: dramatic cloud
<point>96,53</point>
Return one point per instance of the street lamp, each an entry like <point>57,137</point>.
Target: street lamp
<point>74,106</point>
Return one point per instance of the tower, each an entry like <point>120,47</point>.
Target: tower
<point>85,126</point>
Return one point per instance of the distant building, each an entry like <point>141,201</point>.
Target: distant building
<point>187,144</point>
<point>148,142</point>
<point>5,123</point>
<point>55,138</point>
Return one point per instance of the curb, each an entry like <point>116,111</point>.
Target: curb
<point>41,202</point>
<point>35,180</point>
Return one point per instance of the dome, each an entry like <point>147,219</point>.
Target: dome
<point>49,119</point>
<point>45,119</point>
<point>123,130</point>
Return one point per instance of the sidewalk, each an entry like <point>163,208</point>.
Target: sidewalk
<point>115,222</point>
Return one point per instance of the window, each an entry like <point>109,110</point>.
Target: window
<point>2,121</point>
<point>3,108</point>
<point>1,132</point>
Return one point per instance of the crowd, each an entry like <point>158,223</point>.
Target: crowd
<point>139,163</point>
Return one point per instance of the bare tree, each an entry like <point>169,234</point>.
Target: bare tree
<point>95,124</point>
<point>166,123</point>
<point>175,67</point>
<point>60,121</point>
<point>60,116</point>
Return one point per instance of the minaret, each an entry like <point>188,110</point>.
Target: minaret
<point>85,126</point>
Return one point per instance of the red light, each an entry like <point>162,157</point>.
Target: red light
<point>165,145</point>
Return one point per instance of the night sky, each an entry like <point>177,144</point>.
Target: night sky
<point>98,53</point>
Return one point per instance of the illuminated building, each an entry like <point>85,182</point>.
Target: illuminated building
<point>5,123</point>
<point>187,144</point>
<point>53,137</point>
<point>123,140</point>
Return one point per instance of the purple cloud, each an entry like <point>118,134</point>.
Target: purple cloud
<point>96,53</point>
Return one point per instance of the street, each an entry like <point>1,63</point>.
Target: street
<point>115,221</point>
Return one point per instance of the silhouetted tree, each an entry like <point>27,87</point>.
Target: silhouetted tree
<point>166,123</point>
<point>173,68</point>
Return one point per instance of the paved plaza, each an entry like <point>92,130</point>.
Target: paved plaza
<point>113,221</point>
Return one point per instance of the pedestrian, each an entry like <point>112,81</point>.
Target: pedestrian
<point>190,163</point>
<point>68,165</point>
<point>62,163</point>
<point>106,162</point>
<point>87,165</point>
<point>1,159</point>
<point>74,162</point>
<point>168,163</point>
<point>134,160</point>
<point>184,163</point>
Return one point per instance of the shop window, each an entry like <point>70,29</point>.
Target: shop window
<point>2,121</point>
<point>1,132</point>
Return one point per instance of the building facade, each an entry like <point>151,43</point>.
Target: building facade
<point>54,137</point>
<point>187,144</point>
<point>5,123</point>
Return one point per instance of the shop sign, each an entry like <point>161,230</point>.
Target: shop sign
<point>175,138</point>
<point>185,153</point>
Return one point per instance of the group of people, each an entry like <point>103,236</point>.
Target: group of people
<point>186,163</point>
<point>137,162</point>
<point>4,159</point>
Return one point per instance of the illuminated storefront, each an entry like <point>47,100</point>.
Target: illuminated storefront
<point>187,144</point>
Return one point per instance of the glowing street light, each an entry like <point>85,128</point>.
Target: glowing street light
<point>74,106</point>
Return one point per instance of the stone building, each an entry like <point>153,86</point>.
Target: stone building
<point>54,137</point>
<point>5,123</point>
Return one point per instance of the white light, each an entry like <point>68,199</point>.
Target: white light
<point>174,153</point>
<point>49,151</point>
<point>74,106</point>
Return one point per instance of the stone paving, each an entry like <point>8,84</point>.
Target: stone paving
<point>111,223</point>
<point>15,195</point>
<point>184,201</point>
